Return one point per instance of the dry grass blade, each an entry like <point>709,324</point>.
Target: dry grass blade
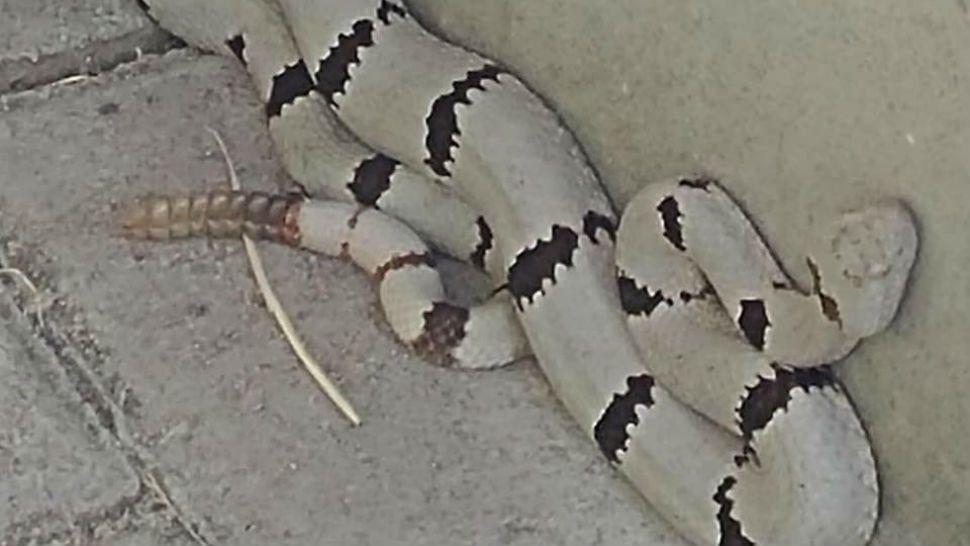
<point>276,308</point>
<point>154,484</point>
<point>37,305</point>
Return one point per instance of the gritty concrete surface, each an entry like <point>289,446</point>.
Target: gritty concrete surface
<point>44,42</point>
<point>51,461</point>
<point>799,110</point>
<point>32,28</point>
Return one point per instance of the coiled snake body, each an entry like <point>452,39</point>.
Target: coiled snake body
<point>674,338</point>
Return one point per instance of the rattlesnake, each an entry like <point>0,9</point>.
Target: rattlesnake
<point>673,337</point>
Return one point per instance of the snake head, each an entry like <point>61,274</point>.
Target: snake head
<point>866,264</point>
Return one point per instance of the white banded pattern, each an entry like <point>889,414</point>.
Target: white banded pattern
<point>759,444</point>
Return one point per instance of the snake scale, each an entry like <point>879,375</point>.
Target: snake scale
<point>671,335</point>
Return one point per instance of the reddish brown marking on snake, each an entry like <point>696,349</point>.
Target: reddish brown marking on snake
<point>443,330</point>
<point>404,260</point>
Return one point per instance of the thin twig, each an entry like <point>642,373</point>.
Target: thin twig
<point>153,483</point>
<point>37,304</point>
<point>273,304</point>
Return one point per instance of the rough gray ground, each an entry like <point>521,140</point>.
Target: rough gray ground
<point>158,405</point>
<point>32,28</point>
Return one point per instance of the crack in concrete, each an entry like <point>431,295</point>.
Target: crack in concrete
<point>21,74</point>
<point>78,359</point>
